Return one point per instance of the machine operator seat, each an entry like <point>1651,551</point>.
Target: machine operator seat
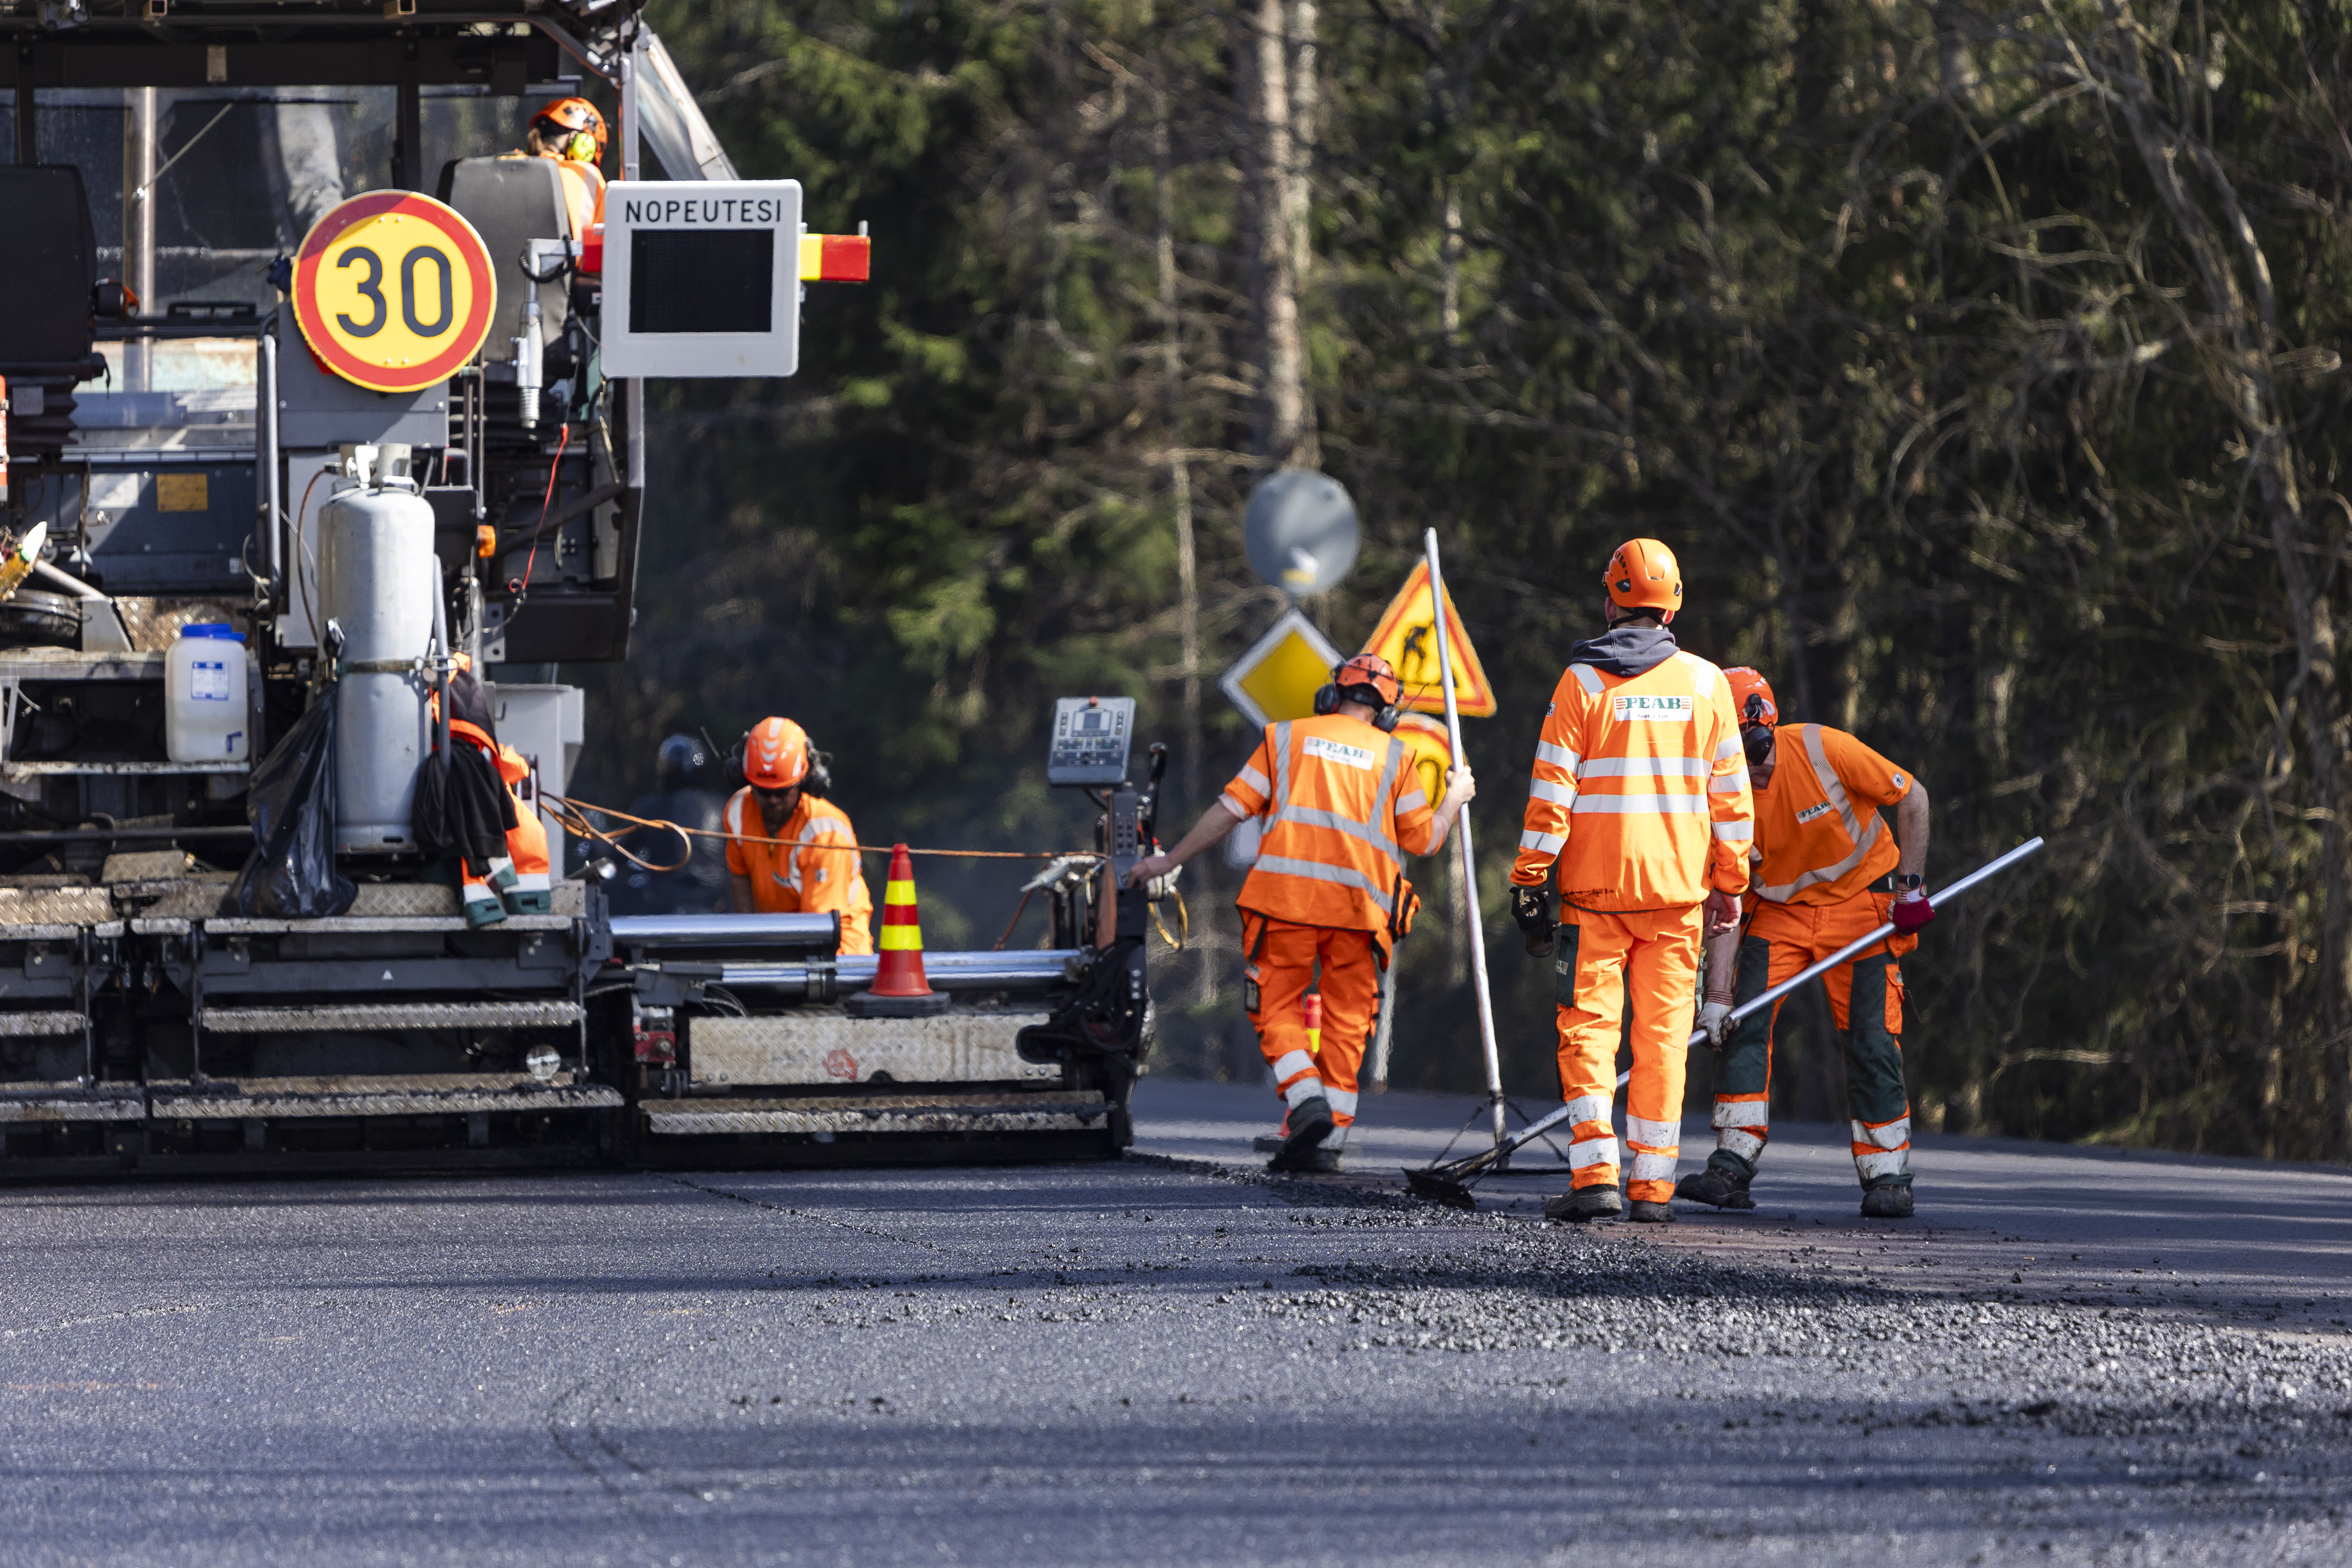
<point>511,201</point>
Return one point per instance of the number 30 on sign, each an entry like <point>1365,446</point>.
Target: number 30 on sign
<point>393,291</point>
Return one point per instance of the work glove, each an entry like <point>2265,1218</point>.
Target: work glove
<point>1531,908</point>
<point>1715,1017</point>
<point>1912,910</point>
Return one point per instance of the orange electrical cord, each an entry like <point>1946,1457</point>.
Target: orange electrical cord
<point>571,813</point>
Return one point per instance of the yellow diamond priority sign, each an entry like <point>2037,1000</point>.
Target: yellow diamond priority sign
<point>1278,677</point>
<point>393,291</point>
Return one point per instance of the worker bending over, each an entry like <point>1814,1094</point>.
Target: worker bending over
<point>1820,879</point>
<point>1640,798</point>
<point>1336,800</point>
<point>776,860</point>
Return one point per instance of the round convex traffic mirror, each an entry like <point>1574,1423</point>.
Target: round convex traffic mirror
<point>1301,531</point>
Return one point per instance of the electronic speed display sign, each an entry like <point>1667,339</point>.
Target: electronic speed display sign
<point>393,291</point>
<point>703,277</point>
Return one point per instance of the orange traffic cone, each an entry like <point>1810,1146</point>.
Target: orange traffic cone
<point>900,988</point>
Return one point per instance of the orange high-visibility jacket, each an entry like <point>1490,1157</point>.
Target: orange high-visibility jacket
<point>1819,836</point>
<point>796,877</point>
<point>1338,802</point>
<point>1640,789</point>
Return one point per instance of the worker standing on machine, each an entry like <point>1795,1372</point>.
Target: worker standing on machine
<point>1338,799</point>
<point>1639,796</point>
<point>570,132</point>
<point>682,794</point>
<point>777,824</point>
<point>1825,872</point>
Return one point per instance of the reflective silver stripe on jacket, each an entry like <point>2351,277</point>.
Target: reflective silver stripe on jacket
<point>1558,756</point>
<point>1542,843</point>
<point>1734,832</point>
<point>1282,762</point>
<point>1588,678</point>
<point>1638,805</point>
<point>1833,788</point>
<point>1255,778</point>
<point>1314,871</point>
<point>1644,768</point>
<point>1557,793</point>
<point>1726,747</point>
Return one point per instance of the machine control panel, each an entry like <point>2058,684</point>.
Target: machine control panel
<point>1091,737</point>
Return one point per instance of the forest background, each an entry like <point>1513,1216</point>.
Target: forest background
<point>1979,364</point>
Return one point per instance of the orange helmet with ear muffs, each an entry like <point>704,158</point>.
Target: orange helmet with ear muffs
<point>1751,697</point>
<point>567,120</point>
<point>1364,673</point>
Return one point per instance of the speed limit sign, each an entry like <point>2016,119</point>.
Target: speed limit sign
<point>393,291</point>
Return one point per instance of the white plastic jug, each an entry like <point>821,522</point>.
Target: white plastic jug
<point>203,695</point>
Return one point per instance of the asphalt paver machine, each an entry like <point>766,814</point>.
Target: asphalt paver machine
<point>315,394</point>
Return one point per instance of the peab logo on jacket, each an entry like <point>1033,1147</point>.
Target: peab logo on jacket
<point>1819,808</point>
<point>1630,709</point>
<point>1338,752</point>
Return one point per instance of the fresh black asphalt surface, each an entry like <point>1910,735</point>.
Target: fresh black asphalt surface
<point>1166,1360</point>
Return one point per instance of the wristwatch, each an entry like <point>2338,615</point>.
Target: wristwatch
<point>1909,882</point>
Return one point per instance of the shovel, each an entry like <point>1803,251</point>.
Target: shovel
<point>1449,1184</point>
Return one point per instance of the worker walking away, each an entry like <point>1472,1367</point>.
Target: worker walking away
<point>779,828</point>
<point>570,132</point>
<point>683,771</point>
<point>1640,801</point>
<point>1824,871</point>
<point>1338,803</point>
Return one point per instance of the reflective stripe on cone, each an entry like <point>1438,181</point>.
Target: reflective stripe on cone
<point>898,968</point>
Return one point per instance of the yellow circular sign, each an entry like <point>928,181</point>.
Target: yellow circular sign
<point>393,291</point>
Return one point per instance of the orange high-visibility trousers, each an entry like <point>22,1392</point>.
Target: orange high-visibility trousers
<point>1655,957</point>
<point>1866,1008</point>
<point>1282,960</point>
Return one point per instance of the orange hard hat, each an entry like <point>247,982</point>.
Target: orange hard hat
<point>1751,697</point>
<point>570,116</point>
<point>1369,670</point>
<point>1643,575</point>
<point>775,754</point>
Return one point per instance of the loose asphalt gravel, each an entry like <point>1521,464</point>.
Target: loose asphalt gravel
<point>1171,1360</point>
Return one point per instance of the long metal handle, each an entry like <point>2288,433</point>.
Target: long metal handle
<point>1469,872</point>
<point>2002,864</point>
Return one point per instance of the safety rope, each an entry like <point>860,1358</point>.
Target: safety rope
<point>569,812</point>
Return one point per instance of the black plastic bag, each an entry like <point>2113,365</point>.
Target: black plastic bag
<point>291,804</point>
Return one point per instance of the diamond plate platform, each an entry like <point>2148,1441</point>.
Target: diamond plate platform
<point>53,907</point>
<point>393,1016</point>
<point>998,1113</point>
<point>72,1102</point>
<point>439,1095</point>
<point>825,1046</point>
<point>19,1025</point>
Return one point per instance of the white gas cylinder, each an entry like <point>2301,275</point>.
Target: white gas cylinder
<point>203,695</point>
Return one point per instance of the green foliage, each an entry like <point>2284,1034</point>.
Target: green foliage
<point>1880,316</point>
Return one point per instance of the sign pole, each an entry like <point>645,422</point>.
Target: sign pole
<point>1469,872</point>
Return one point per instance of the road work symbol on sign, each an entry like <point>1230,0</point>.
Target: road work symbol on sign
<point>1278,677</point>
<point>1407,638</point>
<point>393,291</point>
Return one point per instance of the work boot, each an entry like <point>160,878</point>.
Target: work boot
<point>1310,1123</point>
<point>1715,1186</point>
<point>1645,1212</point>
<point>1325,1162</point>
<point>1891,1201</point>
<point>1584,1203</point>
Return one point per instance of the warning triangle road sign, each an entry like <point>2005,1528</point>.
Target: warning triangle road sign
<point>1407,638</point>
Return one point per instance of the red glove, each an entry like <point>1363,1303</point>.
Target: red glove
<point>1912,914</point>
